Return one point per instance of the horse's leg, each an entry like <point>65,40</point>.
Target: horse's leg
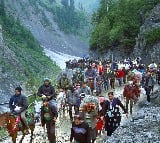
<point>14,136</point>
<point>63,108</point>
<point>127,102</point>
<point>32,130</point>
<point>131,106</point>
<point>22,136</point>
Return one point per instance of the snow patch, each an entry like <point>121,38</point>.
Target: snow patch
<point>59,58</point>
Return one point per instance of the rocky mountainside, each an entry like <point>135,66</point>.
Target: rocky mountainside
<point>22,67</point>
<point>128,28</point>
<point>38,17</point>
<point>22,59</point>
<point>149,51</point>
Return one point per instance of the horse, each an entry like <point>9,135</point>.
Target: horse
<point>37,110</point>
<point>132,93</point>
<point>12,122</point>
<point>61,101</point>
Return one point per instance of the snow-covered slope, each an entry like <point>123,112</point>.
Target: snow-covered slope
<point>59,58</point>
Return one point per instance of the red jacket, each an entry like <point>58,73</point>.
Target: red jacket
<point>100,124</point>
<point>120,73</point>
<point>100,69</point>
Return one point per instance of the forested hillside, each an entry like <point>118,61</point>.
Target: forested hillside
<point>22,60</point>
<point>69,19</point>
<point>117,24</point>
<point>88,6</point>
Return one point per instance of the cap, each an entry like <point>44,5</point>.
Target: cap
<point>46,79</point>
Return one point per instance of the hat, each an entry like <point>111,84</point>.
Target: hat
<point>64,74</point>
<point>111,92</point>
<point>18,88</point>
<point>46,79</point>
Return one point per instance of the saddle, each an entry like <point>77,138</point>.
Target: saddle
<point>19,122</point>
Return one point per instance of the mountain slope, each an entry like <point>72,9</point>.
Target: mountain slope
<point>22,60</point>
<point>39,17</point>
<point>148,39</point>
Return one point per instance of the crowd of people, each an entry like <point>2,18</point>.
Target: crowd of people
<point>85,93</point>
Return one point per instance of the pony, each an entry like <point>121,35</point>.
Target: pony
<point>12,122</point>
<point>61,102</point>
<point>37,110</point>
<point>131,93</point>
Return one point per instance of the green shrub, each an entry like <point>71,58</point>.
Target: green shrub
<point>153,36</point>
<point>3,133</point>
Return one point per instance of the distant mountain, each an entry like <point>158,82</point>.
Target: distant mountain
<point>88,5</point>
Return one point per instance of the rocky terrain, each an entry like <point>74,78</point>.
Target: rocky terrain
<point>142,126</point>
<point>146,51</point>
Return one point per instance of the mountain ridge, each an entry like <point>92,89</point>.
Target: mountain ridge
<point>46,30</point>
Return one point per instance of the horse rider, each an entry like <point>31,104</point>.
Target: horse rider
<point>49,116</point>
<point>64,83</point>
<point>47,89</point>
<point>18,106</point>
<point>78,76</point>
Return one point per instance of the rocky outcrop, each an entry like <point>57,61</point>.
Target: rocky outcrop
<point>148,52</point>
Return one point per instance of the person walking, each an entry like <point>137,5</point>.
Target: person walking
<point>111,113</point>
<point>80,131</point>
<point>149,83</point>
<point>73,100</point>
<point>49,116</point>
